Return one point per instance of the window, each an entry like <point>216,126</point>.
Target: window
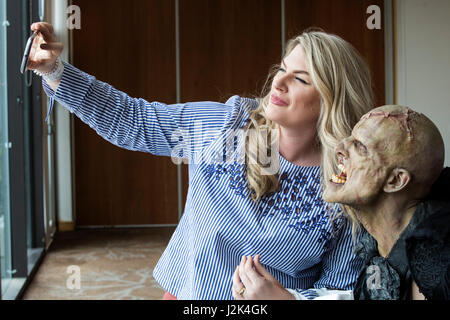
<point>22,232</point>
<point>5,237</point>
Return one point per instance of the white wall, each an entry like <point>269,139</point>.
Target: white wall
<point>423,61</point>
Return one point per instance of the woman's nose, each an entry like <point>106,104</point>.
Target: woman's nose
<point>280,83</point>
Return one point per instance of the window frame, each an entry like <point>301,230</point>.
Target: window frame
<point>25,133</point>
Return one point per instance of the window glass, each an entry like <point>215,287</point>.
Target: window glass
<point>5,237</point>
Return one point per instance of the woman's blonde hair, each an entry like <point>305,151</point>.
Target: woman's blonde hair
<point>343,80</point>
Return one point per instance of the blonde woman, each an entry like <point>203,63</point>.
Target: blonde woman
<point>241,205</point>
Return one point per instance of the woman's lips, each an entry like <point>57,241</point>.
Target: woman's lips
<point>277,101</point>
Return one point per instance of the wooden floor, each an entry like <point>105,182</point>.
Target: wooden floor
<point>113,264</point>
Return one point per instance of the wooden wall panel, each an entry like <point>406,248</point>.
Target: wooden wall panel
<point>129,44</point>
<point>348,20</point>
<point>227,47</point>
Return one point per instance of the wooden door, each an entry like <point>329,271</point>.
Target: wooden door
<point>130,45</point>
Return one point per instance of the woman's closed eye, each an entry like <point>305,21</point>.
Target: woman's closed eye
<point>280,69</point>
<point>302,81</point>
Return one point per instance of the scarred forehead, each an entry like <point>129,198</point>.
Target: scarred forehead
<point>401,115</point>
<point>399,136</point>
<point>387,131</point>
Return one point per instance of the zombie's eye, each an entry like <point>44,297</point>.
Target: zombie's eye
<point>360,147</point>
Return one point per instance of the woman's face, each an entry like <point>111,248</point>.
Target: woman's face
<point>294,101</point>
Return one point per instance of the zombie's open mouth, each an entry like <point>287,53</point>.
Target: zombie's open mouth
<point>342,177</point>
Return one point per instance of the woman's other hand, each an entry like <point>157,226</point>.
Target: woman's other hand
<point>45,49</point>
<point>259,284</point>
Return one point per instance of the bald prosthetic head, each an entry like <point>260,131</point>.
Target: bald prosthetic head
<point>392,149</point>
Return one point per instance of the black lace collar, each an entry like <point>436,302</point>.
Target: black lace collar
<point>394,279</point>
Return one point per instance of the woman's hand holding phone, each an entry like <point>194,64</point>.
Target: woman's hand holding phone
<point>45,49</point>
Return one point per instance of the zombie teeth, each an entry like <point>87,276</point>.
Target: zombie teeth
<point>342,177</point>
<point>342,168</point>
<point>338,179</point>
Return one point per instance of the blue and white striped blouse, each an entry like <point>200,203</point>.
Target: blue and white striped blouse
<point>291,228</point>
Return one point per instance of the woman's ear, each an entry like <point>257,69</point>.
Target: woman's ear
<point>398,179</point>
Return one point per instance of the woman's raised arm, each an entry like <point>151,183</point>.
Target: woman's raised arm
<point>176,130</point>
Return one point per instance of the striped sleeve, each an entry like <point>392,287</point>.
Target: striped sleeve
<point>175,130</point>
<point>340,268</point>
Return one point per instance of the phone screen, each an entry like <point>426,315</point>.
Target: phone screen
<point>26,53</point>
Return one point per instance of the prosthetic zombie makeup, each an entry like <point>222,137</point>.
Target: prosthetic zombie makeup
<point>388,144</point>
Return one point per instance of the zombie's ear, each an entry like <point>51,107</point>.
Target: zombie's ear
<point>397,180</point>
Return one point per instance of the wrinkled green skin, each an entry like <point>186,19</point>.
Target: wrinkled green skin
<point>392,158</point>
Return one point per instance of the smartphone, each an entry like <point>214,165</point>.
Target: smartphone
<point>26,53</point>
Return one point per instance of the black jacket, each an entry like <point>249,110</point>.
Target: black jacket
<point>422,253</point>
